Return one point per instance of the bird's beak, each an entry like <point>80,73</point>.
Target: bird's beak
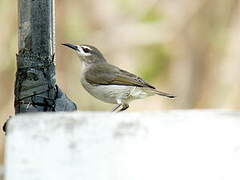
<point>71,46</point>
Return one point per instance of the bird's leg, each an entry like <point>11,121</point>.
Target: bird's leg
<point>124,107</point>
<point>116,107</point>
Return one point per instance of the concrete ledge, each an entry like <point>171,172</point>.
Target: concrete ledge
<point>170,145</point>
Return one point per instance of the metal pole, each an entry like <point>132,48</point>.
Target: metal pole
<point>35,87</point>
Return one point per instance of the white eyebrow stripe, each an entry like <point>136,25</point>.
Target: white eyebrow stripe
<point>82,52</point>
<point>86,47</point>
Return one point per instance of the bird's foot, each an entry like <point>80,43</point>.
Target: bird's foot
<point>124,107</point>
<point>116,107</point>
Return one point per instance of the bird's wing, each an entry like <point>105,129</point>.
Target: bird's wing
<point>107,74</point>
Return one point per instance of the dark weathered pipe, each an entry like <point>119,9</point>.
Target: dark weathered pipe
<point>35,86</point>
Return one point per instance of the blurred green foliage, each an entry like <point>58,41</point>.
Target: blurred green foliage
<point>152,15</point>
<point>154,60</point>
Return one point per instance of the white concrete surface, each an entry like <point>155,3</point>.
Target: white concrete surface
<point>172,145</point>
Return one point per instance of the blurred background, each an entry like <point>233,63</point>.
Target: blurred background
<point>188,48</point>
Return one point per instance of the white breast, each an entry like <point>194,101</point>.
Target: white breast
<point>114,93</point>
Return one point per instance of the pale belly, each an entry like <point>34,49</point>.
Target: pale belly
<point>115,94</point>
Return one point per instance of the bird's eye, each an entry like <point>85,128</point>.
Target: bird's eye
<point>86,49</point>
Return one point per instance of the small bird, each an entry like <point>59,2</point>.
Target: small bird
<point>109,83</point>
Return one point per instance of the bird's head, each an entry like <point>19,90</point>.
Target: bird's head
<point>87,53</point>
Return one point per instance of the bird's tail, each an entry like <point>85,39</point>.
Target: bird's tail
<point>160,93</point>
